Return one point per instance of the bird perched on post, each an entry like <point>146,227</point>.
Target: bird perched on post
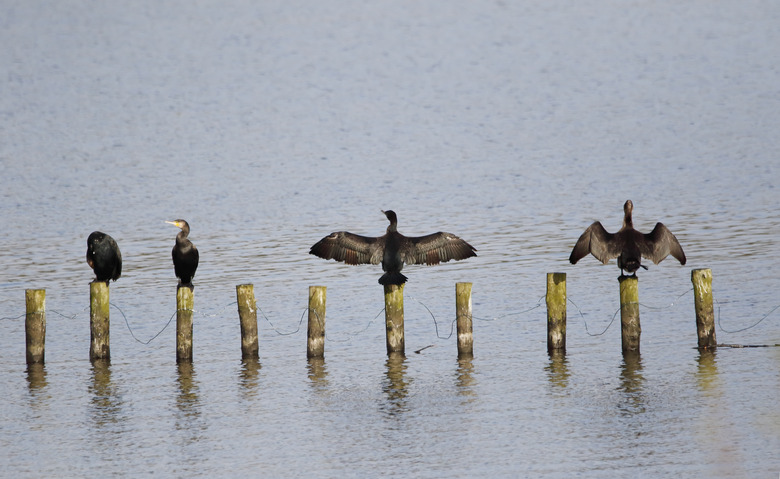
<point>392,249</point>
<point>104,257</point>
<point>185,255</point>
<point>627,245</point>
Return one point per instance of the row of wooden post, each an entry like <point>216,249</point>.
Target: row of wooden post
<point>35,323</point>
<point>630,327</point>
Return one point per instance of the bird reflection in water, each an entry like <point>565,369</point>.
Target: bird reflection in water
<point>396,386</point>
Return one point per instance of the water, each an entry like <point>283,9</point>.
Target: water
<point>269,125</point>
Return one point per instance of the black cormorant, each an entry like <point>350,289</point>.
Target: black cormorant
<point>103,257</point>
<point>185,255</point>
<point>392,250</point>
<point>627,245</point>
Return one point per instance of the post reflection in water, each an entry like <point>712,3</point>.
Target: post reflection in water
<point>464,378</point>
<point>632,385</point>
<point>318,373</point>
<point>36,378</point>
<point>715,431</point>
<point>558,370</point>
<point>707,372</point>
<point>396,386</point>
<point>249,376</point>
<point>106,402</point>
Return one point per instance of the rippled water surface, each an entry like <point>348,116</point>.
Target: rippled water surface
<point>268,125</point>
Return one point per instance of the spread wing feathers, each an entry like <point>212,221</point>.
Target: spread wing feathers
<point>350,248</point>
<point>435,248</point>
<point>660,243</point>
<point>597,241</point>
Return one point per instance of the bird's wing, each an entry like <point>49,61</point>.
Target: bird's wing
<point>597,241</point>
<point>118,266</point>
<point>435,248</point>
<point>350,248</point>
<point>660,243</point>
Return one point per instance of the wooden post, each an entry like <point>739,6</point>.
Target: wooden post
<point>35,325</point>
<point>247,315</point>
<point>315,346</point>
<point>463,319</point>
<point>394,319</point>
<point>184,308</point>
<point>629,313</point>
<point>99,324</point>
<point>556,312</point>
<point>705,317</point>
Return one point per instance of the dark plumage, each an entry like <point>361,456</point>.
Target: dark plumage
<point>103,257</point>
<point>392,249</point>
<point>185,255</point>
<point>627,245</point>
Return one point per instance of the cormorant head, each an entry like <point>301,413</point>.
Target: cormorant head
<point>95,237</point>
<point>183,225</point>
<point>393,219</point>
<point>391,216</point>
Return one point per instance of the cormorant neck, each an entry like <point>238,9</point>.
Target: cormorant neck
<point>628,222</point>
<point>393,227</point>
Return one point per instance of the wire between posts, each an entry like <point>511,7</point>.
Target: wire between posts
<point>749,327</point>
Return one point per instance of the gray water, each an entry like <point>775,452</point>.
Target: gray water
<point>268,125</point>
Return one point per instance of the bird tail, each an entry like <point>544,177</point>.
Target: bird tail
<point>392,278</point>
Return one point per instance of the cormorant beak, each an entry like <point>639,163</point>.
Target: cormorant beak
<point>174,223</point>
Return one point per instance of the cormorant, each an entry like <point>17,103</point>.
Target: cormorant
<point>627,245</point>
<point>185,255</point>
<point>103,257</point>
<point>392,249</point>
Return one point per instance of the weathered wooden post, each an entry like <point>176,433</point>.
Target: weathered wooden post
<point>556,312</point>
<point>630,328</point>
<point>463,319</point>
<point>247,315</point>
<point>35,325</point>
<point>184,309</point>
<point>99,324</point>
<point>394,319</point>
<point>702,298</point>
<point>315,346</point>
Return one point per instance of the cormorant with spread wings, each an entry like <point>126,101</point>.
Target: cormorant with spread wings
<point>627,245</point>
<point>392,249</point>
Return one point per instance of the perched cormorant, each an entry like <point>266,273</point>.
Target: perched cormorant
<point>627,245</point>
<point>185,255</point>
<point>392,249</point>
<point>103,257</point>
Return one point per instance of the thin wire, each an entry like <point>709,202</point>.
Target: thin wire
<point>217,314</point>
<point>587,331</point>
<point>11,318</point>
<point>435,323</point>
<point>280,333</point>
<point>673,303</point>
<point>127,323</point>
<point>749,327</point>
